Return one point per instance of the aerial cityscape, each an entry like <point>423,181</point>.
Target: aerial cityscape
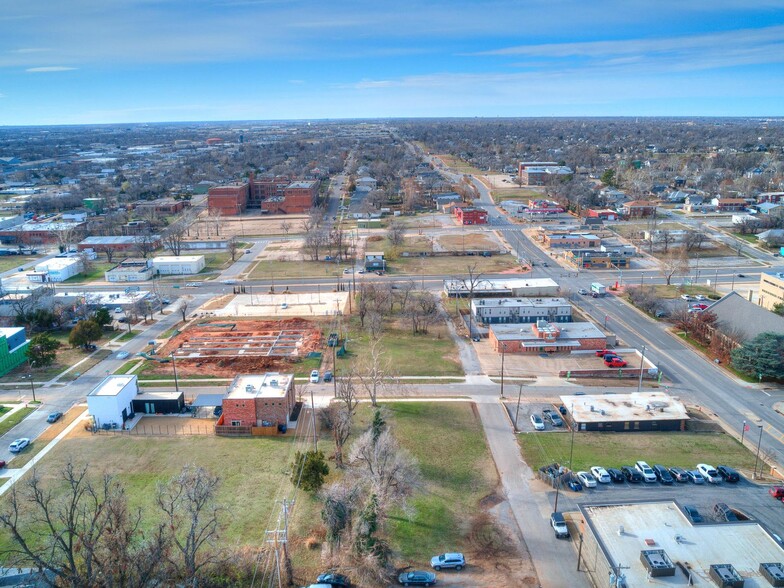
<point>465,294</point>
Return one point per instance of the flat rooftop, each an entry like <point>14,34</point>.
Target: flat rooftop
<point>544,302</point>
<point>637,406</point>
<point>111,385</point>
<point>568,331</point>
<point>57,263</point>
<point>176,258</point>
<point>158,395</point>
<point>503,284</point>
<point>269,385</point>
<point>662,525</point>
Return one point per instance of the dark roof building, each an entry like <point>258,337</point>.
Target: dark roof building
<point>735,313</point>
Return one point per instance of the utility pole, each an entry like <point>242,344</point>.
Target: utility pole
<point>503,353</point>
<point>174,365</point>
<point>517,412</point>
<point>642,365</point>
<point>335,368</point>
<point>313,420</point>
<point>756,459</point>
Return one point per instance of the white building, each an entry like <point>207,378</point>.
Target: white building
<point>110,403</point>
<point>521,310</point>
<point>57,269</point>
<point>131,270</point>
<point>178,264</point>
<point>502,287</point>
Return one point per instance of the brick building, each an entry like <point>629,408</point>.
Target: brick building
<point>544,336</point>
<point>230,200</point>
<point>541,173</point>
<point>729,204</point>
<point>607,215</point>
<point>266,187</point>
<point>259,400</point>
<point>299,197</point>
<point>591,259</point>
<point>572,240</point>
<point>467,215</point>
<point>115,243</point>
<point>162,205</point>
<point>638,209</point>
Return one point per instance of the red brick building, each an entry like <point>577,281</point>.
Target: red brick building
<point>470,216</point>
<point>729,204</point>
<point>266,187</point>
<point>608,215</point>
<point>231,200</point>
<point>543,336</point>
<point>638,209</point>
<point>263,400</point>
<point>163,205</point>
<point>299,197</point>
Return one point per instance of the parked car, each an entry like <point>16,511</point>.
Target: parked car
<point>2,463</point>
<point>616,475</point>
<point>118,310</point>
<point>724,513</point>
<point>615,362</point>
<point>687,297</point>
<point>777,492</point>
<point>562,410</point>
<point>347,270</point>
<point>18,445</point>
<point>558,524</point>
<point>122,355</point>
<point>728,474</point>
<point>603,352</point>
<point>417,578</point>
<point>454,561</point>
<point>648,475</point>
<point>709,473</point>
<point>744,275</point>
<point>217,411</point>
<point>122,319</point>
<point>586,479</point>
<point>334,580</point>
<point>679,474</point>
<point>574,485</point>
<point>693,514</point>
<point>601,475</point>
<point>54,417</point>
<point>328,376</point>
<point>695,477</point>
<point>248,251</point>
<point>632,476</point>
<point>582,292</point>
<point>314,377</point>
<point>537,422</point>
<point>90,347</point>
<point>553,417</point>
<point>663,474</point>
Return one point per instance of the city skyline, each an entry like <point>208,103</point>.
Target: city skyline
<point>141,61</point>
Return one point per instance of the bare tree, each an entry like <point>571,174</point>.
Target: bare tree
<point>188,502</point>
<point>232,246</point>
<point>387,470</point>
<point>338,419</point>
<point>78,533</point>
<point>67,236</point>
<point>215,219</point>
<point>672,264</point>
<point>183,308</point>
<point>85,259</point>
<point>396,233</point>
<point>107,249</point>
<point>174,236</point>
<point>336,240</point>
<point>470,282</point>
<point>694,239</point>
<point>145,244</point>
<point>285,226</point>
<point>422,309</point>
<point>340,500</point>
<point>314,242</point>
<point>374,369</point>
<point>665,238</point>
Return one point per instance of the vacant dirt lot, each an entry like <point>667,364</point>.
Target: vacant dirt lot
<point>254,226</point>
<point>484,241</point>
<point>226,348</point>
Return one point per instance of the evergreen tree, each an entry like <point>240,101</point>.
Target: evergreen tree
<point>309,469</point>
<point>378,425</point>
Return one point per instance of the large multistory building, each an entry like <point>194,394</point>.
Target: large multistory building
<point>274,194</point>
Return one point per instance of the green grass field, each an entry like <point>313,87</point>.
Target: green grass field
<point>16,418</point>
<point>9,262</point>
<point>617,449</point>
<point>127,336</point>
<point>95,274</point>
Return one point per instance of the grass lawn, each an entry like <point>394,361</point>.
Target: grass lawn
<point>303,368</point>
<point>97,273</point>
<point>499,195</point>
<point>265,270</point>
<point>631,229</point>
<point>16,418</point>
<point>127,336</point>
<point>127,367</point>
<point>259,466</point>
<point>3,410</point>
<point>433,354</point>
<point>704,350</point>
<point>672,292</point>
<point>455,480</point>
<point>93,360</point>
<point>459,165</point>
<point>453,265</point>
<point>9,262</point>
<point>214,260</point>
<point>617,449</point>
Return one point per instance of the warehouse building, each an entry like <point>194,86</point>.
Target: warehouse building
<point>57,269</point>
<point>655,543</point>
<point>133,269</point>
<point>178,264</point>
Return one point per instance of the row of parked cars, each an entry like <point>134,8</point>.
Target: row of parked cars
<point>611,359</point>
<point>642,472</point>
<point>444,561</point>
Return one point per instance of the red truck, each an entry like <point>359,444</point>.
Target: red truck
<point>615,362</point>
<point>777,492</point>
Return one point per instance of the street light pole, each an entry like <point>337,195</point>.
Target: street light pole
<point>743,432</point>
<point>503,352</point>
<point>756,459</point>
<point>32,385</point>
<point>642,365</point>
<point>174,366</point>
<point>517,412</point>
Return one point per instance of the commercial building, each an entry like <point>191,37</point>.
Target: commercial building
<point>111,299</point>
<point>638,209</point>
<point>57,269</point>
<point>178,264</point>
<point>606,215</point>
<point>116,243</point>
<point>110,403</point>
<point>771,290</point>
<point>132,269</point>
<point>467,215</point>
<point>544,336</point>
<point>36,232</point>
<point>655,543</point>
<point>541,207</point>
<point>729,204</point>
<point>592,259</point>
<point>521,310</point>
<point>13,348</point>
<point>533,173</point>
<point>571,240</point>
<point>512,287</point>
<point>162,206</point>
<point>265,400</point>
<point>638,411</point>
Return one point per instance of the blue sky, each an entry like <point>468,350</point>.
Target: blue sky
<point>99,61</point>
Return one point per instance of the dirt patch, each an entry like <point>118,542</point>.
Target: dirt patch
<point>480,241</point>
<point>224,348</point>
<point>283,251</point>
<point>218,302</point>
<point>252,225</point>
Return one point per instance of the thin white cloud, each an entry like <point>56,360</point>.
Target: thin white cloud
<point>50,69</point>
<point>28,50</point>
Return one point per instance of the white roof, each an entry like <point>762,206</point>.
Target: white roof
<point>503,284</point>
<point>57,263</point>
<point>176,258</point>
<point>112,385</point>
<point>662,525</point>
<point>637,406</point>
<point>269,385</point>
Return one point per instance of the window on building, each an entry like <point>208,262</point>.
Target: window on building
<point>236,423</point>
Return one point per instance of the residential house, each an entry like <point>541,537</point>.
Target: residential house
<point>771,237</point>
<point>374,261</point>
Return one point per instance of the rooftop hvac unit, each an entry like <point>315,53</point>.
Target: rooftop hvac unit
<point>249,388</point>
<point>725,576</point>
<point>273,382</point>
<point>773,573</point>
<point>657,562</point>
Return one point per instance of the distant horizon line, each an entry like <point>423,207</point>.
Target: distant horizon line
<point>770,118</point>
